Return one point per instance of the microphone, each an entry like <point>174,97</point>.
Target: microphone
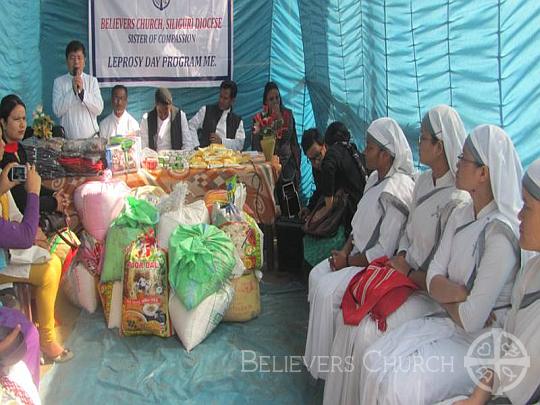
<point>78,92</point>
<point>74,73</point>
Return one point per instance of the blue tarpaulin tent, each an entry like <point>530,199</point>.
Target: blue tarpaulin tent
<point>348,60</point>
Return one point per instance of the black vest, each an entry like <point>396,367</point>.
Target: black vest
<point>211,118</point>
<point>176,129</point>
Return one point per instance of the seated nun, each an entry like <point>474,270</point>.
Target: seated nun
<point>434,198</point>
<point>470,276</point>
<point>380,215</point>
<point>520,382</point>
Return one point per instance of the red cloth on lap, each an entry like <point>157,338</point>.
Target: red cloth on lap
<point>378,289</point>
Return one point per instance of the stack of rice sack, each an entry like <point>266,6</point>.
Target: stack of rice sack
<point>248,242</point>
<point>97,204</point>
<point>137,218</point>
<point>201,262</point>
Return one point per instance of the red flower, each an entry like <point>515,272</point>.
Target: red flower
<point>259,119</point>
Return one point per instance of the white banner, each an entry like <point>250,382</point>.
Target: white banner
<point>174,43</point>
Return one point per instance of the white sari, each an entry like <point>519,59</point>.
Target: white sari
<point>379,220</point>
<point>479,252</point>
<point>432,207</point>
<point>524,323</point>
<point>433,337</point>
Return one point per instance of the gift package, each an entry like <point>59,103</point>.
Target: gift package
<point>123,154</point>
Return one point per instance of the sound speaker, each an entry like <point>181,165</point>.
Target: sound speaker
<point>290,244</point>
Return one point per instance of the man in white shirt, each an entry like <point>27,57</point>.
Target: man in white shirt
<point>119,122</point>
<point>217,123</point>
<point>166,126</point>
<point>76,96</point>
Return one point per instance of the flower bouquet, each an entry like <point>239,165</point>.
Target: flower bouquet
<point>270,125</point>
<point>42,123</point>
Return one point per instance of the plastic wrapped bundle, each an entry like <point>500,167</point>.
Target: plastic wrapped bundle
<point>145,293</point>
<point>99,203</point>
<point>193,326</point>
<point>45,154</point>
<point>151,194</point>
<point>174,211</point>
<point>83,156</point>
<point>90,253</point>
<point>136,218</point>
<point>79,285</point>
<point>201,259</point>
<point>87,148</point>
<point>242,229</point>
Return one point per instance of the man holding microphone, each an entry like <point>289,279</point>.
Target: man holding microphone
<point>76,96</point>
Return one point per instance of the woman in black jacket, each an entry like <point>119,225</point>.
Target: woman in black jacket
<point>337,165</point>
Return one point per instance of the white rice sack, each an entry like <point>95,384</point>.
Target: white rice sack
<point>192,327</point>
<point>79,285</point>
<point>174,211</point>
<point>111,301</point>
<point>115,315</point>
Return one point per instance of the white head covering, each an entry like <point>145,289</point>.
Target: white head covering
<point>531,179</point>
<point>447,126</point>
<point>388,135</point>
<point>491,146</point>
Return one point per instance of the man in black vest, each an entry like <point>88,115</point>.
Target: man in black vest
<point>166,126</point>
<point>217,123</point>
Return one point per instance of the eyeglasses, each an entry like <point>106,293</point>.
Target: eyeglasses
<point>428,139</point>
<point>318,157</point>
<point>461,158</point>
<point>433,138</point>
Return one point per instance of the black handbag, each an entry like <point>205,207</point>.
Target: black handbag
<point>328,225</point>
<point>52,222</point>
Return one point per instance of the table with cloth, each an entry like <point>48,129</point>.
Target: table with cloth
<point>259,177</point>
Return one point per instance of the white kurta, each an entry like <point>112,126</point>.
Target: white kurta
<point>118,126</point>
<point>237,143</point>
<point>163,141</point>
<point>377,224</point>
<point>481,253</point>
<point>79,118</point>
<point>431,207</point>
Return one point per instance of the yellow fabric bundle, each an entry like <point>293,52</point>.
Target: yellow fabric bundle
<point>215,156</point>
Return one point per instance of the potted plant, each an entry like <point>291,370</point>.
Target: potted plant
<point>42,124</point>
